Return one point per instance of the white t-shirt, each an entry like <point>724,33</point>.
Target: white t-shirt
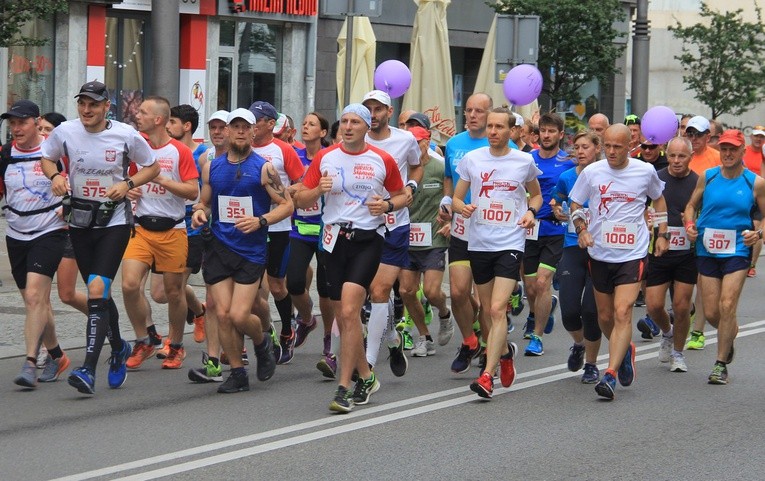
<point>98,160</point>
<point>617,201</point>
<point>287,164</point>
<point>403,147</point>
<point>498,189</point>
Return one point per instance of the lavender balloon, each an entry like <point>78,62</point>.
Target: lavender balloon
<point>523,84</point>
<point>393,77</point>
<point>659,124</point>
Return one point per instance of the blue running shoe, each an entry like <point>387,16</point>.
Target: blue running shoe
<point>528,328</point>
<point>626,372</point>
<point>576,358</point>
<point>464,356</point>
<point>118,365</point>
<point>535,346</point>
<point>551,319</point>
<point>606,387</point>
<point>591,374</point>
<point>648,329</point>
<point>83,380</point>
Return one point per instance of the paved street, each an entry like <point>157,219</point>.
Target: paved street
<point>426,425</point>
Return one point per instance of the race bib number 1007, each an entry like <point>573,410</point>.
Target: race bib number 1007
<point>495,212</point>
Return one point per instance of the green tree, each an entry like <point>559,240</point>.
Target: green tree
<point>576,41</point>
<point>15,13</point>
<point>724,60</point>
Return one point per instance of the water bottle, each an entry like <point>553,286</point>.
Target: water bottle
<point>566,210</point>
<point>105,212</point>
<point>66,207</point>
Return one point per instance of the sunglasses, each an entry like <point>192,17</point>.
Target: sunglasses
<point>648,146</point>
<point>695,135</point>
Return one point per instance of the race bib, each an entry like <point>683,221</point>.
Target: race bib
<point>532,233</point>
<point>231,208</point>
<point>329,237</point>
<point>720,241</point>
<point>390,219</point>
<point>678,240</point>
<point>619,235</point>
<point>460,226</point>
<point>420,234</point>
<point>311,211</point>
<point>153,190</point>
<point>94,187</point>
<point>496,212</point>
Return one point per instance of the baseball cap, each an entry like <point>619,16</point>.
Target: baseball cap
<point>95,90</point>
<point>421,119</point>
<point>632,119</point>
<point>359,110</point>
<point>733,137</point>
<point>281,124</point>
<point>701,124</point>
<point>221,115</point>
<point>420,133</point>
<point>262,109</point>
<point>22,109</point>
<point>378,95</point>
<point>241,113</point>
<point>518,119</point>
<point>758,130</point>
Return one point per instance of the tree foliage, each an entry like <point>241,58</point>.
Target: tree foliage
<point>724,60</point>
<point>576,41</point>
<point>15,13</point>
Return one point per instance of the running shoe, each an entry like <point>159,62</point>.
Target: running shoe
<point>516,304</point>
<point>665,348</point>
<point>423,348</point>
<point>342,402</point>
<point>428,310</point>
<point>626,373</point>
<point>640,301</point>
<point>398,362</point>
<point>445,329</point>
<point>677,363</point>
<point>287,345</point>
<point>53,368</point>
<point>507,365</point>
<point>482,361</point>
<point>576,358</point>
<point>42,357</point>
<point>83,379</point>
<point>697,341</point>
<point>648,329</point>
<point>463,359</point>
<point>551,320</point>
<point>303,329</point>
<point>752,272</point>
<point>28,376</point>
<point>165,349</point>
<point>235,383</point>
<point>199,325</point>
<point>408,340</point>
<point>327,365</point>
<point>364,389</point>
<point>174,359</point>
<point>141,352</point>
<point>483,386</point>
<point>245,357</point>
<point>266,360</point>
<point>528,328</point>
<point>535,347</point>
<point>606,387</point>
<point>156,340</point>
<point>209,372</point>
<point>118,365</point>
<point>719,374</point>
<point>591,374</point>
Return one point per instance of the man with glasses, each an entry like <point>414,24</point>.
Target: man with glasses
<point>653,154</point>
<point>633,122</point>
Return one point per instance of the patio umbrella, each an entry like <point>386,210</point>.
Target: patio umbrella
<point>432,91</point>
<point>363,51</point>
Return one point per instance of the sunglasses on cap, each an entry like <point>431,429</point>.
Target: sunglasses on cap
<point>632,119</point>
<point>648,146</point>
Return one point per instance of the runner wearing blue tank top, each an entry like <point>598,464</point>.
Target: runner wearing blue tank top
<point>724,198</point>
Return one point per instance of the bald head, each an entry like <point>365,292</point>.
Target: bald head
<point>404,117</point>
<point>616,141</point>
<point>598,123</point>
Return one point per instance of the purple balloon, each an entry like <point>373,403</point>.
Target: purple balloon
<point>659,124</point>
<point>393,77</point>
<point>523,84</point>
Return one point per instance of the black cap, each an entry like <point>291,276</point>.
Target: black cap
<point>421,119</point>
<point>95,90</point>
<point>22,109</point>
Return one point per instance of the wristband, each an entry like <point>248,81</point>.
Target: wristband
<point>532,210</point>
<point>446,200</point>
<point>580,228</point>
<point>53,176</point>
<point>659,218</point>
<point>579,214</point>
<point>689,223</point>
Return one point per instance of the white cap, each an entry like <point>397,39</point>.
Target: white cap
<point>701,124</point>
<point>281,123</point>
<point>758,130</point>
<point>518,119</point>
<point>221,115</point>
<point>241,113</point>
<point>378,95</point>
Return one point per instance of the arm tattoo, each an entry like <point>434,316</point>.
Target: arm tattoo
<point>275,182</point>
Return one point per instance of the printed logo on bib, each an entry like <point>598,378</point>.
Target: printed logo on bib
<point>329,237</point>
<point>460,226</point>
<point>311,211</point>
<point>231,208</point>
<point>678,240</point>
<point>420,234</point>
<point>720,241</point>
<point>532,233</point>
<point>496,211</point>
<point>94,187</point>
<point>620,236</point>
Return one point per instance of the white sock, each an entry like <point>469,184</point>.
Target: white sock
<point>378,322</point>
<point>334,338</point>
<point>671,331</point>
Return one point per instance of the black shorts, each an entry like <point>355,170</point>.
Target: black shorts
<point>40,255</point>
<point>278,254</point>
<point>665,269</point>
<point>354,262</point>
<point>196,252</point>
<point>545,251</point>
<point>222,263</point>
<point>301,252</point>
<point>458,251</point>
<point>99,251</point>
<point>427,260</point>
<point>718,267</point>
<point>488,265</point>
<point>607,275</point>
<point>68,248</point>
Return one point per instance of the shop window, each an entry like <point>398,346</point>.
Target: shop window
<point>30,69</point>
<point>127,65</point>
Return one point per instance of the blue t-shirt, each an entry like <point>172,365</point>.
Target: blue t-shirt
<point>562,188</point>
<point>190,231</point>
<point>552,168</point>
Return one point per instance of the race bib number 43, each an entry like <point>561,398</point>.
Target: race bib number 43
<point>678,240</point>
<point>620,236</point>
<point>495,212</point>
<point>231,208</point>
<point>720,241</point>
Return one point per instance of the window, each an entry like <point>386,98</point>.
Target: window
<point>127,65</point>
<point>30,69</point>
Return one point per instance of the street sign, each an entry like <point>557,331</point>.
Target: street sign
<point>517,41</point>
<point>366,8</point>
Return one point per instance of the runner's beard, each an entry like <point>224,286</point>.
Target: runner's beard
<point>240,152</point>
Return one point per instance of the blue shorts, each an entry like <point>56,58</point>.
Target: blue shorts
<point>396,249</point>
<point>718,267</point>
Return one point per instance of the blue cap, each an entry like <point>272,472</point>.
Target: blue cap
<point>359,110</point>
<point>262,109</point>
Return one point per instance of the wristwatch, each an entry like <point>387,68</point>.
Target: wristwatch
<point>130,183</point>
<point>665,235</point>
<point>390,206</point>
<point>412,186</point>
<point>533,211</point>
<point>263,222</point>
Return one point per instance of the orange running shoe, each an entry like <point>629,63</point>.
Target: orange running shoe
<point>174,359</point>
<point>199,325</point>
<point>141,352</point>
<point>507,366</point>
<point>165,350</point>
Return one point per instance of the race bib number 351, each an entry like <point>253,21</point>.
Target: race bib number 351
<point>231,208</point>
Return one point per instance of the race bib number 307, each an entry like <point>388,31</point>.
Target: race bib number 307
<point>720,241</point>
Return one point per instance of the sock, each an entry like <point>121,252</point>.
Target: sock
<point>446,315</point>
<point>391,335</point>
<point>675,351</point>
<point>33,360</point>
<point>113,326</point>
<point>670,333</point>
<point>95,334</point>
<point>429,338</point>
<point>176,346</point>
<point>152,331</point>
<point>334,342</point>
<point>215,361</point>
<point>471,342</point>
<point>56,352</point>
<point>238,372</point>
<point>142,340</point>
<point>189,316</point>
<point>720,363</point>
<point>284,306</point>
<point>378,321</point>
